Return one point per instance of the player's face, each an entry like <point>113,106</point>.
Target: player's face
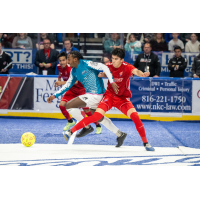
<point>177,53</point>
<point>72,61</point>
<point>63,61</point>
<point>67,45</point>
<point>117,61</point>
<point>105,60</point>
<point>147,48</point>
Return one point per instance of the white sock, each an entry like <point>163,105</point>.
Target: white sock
<point>76,114</point>
<point>110,126</point>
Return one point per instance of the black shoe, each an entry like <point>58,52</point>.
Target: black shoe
<point>85,131</point>
<point>121,139</point>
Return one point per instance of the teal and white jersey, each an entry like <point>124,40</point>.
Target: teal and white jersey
<point>87,73</point>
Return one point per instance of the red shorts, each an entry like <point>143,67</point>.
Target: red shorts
<point>69,95</point>
<point>121,103</point>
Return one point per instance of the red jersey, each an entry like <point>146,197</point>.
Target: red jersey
<point>64,74</point>
<point>121,76</point>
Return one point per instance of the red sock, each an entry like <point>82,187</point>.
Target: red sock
<point>139,126</point>
<point>64,112</point>
<point>90,114</point>
<point>86,121</point>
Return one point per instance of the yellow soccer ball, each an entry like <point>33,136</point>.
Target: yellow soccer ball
<point>28,139</point>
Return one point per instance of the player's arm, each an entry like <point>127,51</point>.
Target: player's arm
<point>140,73</point>
<point>100,66</point>
<point>69,83</point>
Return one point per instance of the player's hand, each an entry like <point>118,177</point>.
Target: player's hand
<point>156,76</point>
<point>58,83</point>
<point>195,76</point>
<point>76,83</point>
<point>115,87</point>
<point>146,74</point>
<point>102,75</point>
<point>51,98</point>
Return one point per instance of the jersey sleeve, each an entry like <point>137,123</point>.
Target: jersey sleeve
<point>70,82</point>
<point>100,66</point>
<point>130,68</point>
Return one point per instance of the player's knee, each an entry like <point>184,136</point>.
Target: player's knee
<point>62,103</point>
<point>101,119</point>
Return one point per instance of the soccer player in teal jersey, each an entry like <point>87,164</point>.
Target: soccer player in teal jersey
<point>87,73</point>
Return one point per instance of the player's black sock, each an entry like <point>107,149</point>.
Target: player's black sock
<point>145,144</point>
<point>70,132</point>
<point>98,125</point>
<point>70,121</point>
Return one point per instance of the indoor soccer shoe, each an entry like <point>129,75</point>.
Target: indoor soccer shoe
<point>121,139</point>
<point>98,130</point>
<point>148,147</point>
<point>67,135</point>
<point>68,126</point>
<point>85,131</point>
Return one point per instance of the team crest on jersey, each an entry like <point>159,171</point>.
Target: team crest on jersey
<point>120,74</point>
<point>83,72</point>
<point>118,79</point>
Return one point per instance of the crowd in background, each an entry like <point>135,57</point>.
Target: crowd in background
<point>46,43</point>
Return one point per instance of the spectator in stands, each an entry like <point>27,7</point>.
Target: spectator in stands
<point>158,43</point>
<point>5,60</point>
<point>147,37</point>
<point>193,44</point>
<point>177,64</point>
<point>148,61</point>
<point>2,38</point>
<point>46,59</point>
<point>133,44</point>
<point>196,66</point>
<point>185,37</point>
<point>112,43</point>
<point>106,58</point>
<point>168,37</point>
<point>68,47</point>
<point>22,41</point>
<point>175,42</point>
<point>44,36</point>
<point>137,36</point>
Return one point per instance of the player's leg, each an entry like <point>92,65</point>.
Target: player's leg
<point>128,109</point>
<point>98,126</point>
<point>71,122</point>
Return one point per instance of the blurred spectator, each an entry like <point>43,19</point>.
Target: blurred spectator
<point>33,37</point>
<point>175,42</point>
<point>106,58</point>
<point>177,64</point>
<point>192,45</point>
<point>22,41</point>
<point>137,36</point>
<point>168,37</point>
<point>44,36</point>
<point>68,47</point>
<point>5,60</point>
<point>46,59</point>
<point>147,37</point>
<point>133,44</point>
<point>148,61</point>
<point>2,38</point>
<point>158,43</point>
<point>185,37</point>
<point>112,43</point>
<point>8,39</point>
<point>196,66</point>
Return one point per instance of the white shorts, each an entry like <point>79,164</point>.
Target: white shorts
<point>91,100</point>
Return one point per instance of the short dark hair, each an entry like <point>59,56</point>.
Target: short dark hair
<point>119,52</point>
<point>76,54</point>
<point>148,43</point>
<point>47,38</point>
<point>62,54</point>
<point>177,47</point>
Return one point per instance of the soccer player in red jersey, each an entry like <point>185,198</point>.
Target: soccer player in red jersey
<point>121,72</point>
<point>76,90</point>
